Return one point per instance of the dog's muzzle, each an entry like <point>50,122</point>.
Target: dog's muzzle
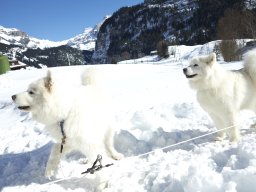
<point>26,108</point>
<point>185,71</point>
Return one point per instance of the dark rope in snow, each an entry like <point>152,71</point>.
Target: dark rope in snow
<point>96,167</point>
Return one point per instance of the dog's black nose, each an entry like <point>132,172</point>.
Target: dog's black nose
<point>185,70</point>
<point>13,97</point>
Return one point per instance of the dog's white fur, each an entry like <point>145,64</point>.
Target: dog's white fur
<point>86,113</point>
<point>222,93</point>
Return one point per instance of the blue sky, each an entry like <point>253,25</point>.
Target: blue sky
<point>57,19</point>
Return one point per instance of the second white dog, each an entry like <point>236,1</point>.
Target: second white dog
<point>221,93</point>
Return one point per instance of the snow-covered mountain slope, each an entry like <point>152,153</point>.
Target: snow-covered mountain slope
<point>87,39</point>
<point>83,41</point>
<point>36,52</point>
<point>13,36</point>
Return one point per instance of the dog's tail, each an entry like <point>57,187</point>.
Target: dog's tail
<point>92,76</point>
<point>250,64</point>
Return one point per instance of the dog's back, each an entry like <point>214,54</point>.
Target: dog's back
<point>250,65</point>
<point>92,76</point>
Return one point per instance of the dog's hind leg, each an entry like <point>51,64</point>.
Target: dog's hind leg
<point>109,144</point>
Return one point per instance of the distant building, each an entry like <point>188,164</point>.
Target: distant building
<point>15,65</point>
<point>152,53</point>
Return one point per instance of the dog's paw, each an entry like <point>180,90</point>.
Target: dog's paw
<point>219,138</point>
<point>235,137</point>
<point>83,161</point>
<point>49,173</point>
<point>50,170</point>
<point>117,156</point>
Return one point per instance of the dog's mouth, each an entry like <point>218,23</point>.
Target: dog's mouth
<point>25,108</point>
<point>185,71</point>
<point>190,76</point>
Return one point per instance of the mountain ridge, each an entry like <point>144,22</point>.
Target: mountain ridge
<point>84,41</point>
<point>35,52</point>
<point>133,32</point>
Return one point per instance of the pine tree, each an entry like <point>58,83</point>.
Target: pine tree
<point>162,49</point>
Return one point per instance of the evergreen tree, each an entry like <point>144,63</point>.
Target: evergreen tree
<point>162,49</point>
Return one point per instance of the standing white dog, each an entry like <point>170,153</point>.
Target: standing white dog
<point>221,93</point>
<point>84,113</point>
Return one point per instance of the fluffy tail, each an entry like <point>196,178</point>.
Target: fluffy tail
<point>250,64</point>
<point>92,76</point>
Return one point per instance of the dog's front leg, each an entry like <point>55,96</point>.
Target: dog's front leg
<point>218,122</point>
<point>53,161</point>
<point>234,132</point>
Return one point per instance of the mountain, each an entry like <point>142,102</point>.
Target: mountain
<point>36,52</point>
<point>51,57</point>
<point>133,32</point>
<point>87,39</point>
<point>83,41</point>
<point>13,36</point>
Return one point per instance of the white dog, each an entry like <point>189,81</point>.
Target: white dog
<point>83,111</point>
<point>221,93</point>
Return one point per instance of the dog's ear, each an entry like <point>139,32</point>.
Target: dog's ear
<point>48,81</point>
<point>211,59</point>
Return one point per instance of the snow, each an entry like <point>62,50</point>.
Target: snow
<point>181,54</point>
<point>154,108</point>
<point>43,43</point>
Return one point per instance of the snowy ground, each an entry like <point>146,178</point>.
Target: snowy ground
<point>154,108</point>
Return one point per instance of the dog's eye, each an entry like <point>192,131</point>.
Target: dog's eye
<point>31,93</point>
<point>195,65</point>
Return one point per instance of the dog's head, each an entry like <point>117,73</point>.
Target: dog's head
<point>34,97</point>
<point>199,67</point>
<point>46,100</point>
